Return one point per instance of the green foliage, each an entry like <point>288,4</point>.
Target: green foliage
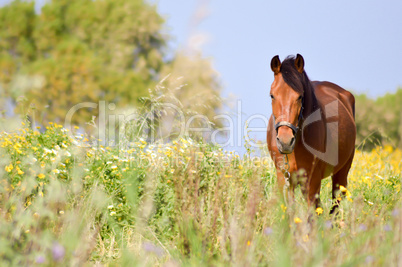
<point>379,122</point>
<point>85,51</point>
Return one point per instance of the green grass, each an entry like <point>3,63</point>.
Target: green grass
<point>184,203</point>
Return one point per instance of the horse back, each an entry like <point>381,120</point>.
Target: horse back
<point>326,92</point>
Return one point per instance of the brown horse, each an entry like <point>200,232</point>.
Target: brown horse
<point>312,128</point>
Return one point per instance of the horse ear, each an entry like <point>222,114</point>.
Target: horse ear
<point>299,63</point>
<point>276,64</point>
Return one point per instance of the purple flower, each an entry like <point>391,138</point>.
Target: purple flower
<point>395,212</point>
<point>328,224</point>
<point>40,259</point>
<point>268,231</point>
<point>149,247</point>
<point>387,228</point>
<point>369,259</point>
<point>362,227</point>
<point>58,251</point>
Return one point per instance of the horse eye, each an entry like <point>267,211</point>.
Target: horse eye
<point>299,98</point>
<point>272,97</point>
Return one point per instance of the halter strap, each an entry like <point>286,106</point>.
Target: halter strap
<point>294,128</point>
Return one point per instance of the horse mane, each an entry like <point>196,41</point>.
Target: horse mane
<point>299,82</point>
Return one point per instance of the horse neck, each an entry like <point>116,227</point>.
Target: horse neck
<point>310,100</point>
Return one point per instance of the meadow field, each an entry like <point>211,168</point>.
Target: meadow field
<point>71,202</point>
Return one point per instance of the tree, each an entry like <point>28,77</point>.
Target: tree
<point>379,121</point>
<point>84,50</point>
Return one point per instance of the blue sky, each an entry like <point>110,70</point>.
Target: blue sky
<point>355,44</point>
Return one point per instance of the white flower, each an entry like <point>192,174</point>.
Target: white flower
<point>110,207</point>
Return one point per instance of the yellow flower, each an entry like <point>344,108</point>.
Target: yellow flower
<point>343,189</point>
<point>9,168</point>
<point>283,207</point>
<point>19,171</point>
<point>319,210</point>
<point>297,220</point>
<point>41,176</point>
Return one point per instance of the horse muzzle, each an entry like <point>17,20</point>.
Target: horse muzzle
<point>285,146</point>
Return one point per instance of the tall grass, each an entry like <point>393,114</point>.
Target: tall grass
<point>184,203</point>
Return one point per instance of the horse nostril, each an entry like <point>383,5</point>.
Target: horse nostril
<point>292,141</point>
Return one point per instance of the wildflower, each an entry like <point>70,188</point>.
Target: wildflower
<point>41,176</point>
<point>319,210</point>
<point>149,247</point>
<point>9,168</point>
<point>40,259</point>
<point>343,189</point>
<point>248,243</point>
<point>110,207</point>
<point>61,212</point>
<point>362,227</point>
<point>369,259</point>
<point>283,207</point>
<point>395,213</point>
<point>268,231</point>
<point>114,167</point>
<point>56,171</point>
<point>297,220</point>
<point>387,228</point>
<point>112,213</point>
<point>58,251</point>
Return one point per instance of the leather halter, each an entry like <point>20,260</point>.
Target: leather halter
<point>294,128</point>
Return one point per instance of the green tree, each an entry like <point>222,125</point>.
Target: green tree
<point>84,50</point>
<point>379,121</point>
